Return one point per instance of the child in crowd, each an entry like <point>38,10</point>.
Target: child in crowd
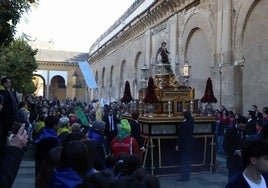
<point>255,158</point>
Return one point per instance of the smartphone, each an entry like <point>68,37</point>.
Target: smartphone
<point>16,127</point>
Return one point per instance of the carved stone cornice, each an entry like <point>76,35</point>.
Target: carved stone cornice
<point>57,64</point>
<point>158,12</point>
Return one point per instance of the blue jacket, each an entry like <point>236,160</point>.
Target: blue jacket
<point>66,178</point>
<point>46,133</point>
<point>95,137</point>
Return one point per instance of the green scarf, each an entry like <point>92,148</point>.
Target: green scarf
<point>122,134</point>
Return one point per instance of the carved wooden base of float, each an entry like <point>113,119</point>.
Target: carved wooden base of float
<point>160,138</point>
<point>160,157</point>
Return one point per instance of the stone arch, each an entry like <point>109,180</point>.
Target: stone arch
<point>103,77</point>
<point>57,88</point>
<point>195,20</point>
<point>136,64</point>
<point>197,53</point>
<point>136,76</point>
<point>39,82</point>
<point>112,86</point>
<point>103,81</point>
<point>122,68</point>
<point>111,75</point>
<point>243,13</point>
<point>196,33</point>
<point>254,48</point>
<point>122,79</point>
<point>63,74</point>
<point>97,77</point>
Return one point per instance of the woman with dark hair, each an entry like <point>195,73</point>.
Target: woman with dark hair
<point>51,161</point>
<point>224,124</point>
<point>74,165</point>
<point>236,117</point>
<point>185,144</point>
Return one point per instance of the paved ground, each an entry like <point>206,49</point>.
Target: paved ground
<point>218,179</point>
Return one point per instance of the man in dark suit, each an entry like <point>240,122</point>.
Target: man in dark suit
<point>232,144</point>
<point>135,129</point>
<point>9,113</point>
<point>254,157</point>
<point>251,124</point>
<point>185,145</point>
<point>110,129</point>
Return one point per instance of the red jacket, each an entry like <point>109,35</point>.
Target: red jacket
<point>128,145</point>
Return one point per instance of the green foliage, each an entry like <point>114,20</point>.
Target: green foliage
<point>18,63</point>
<point>10,14</point>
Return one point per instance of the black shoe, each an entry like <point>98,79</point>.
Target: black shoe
<point>182,179</point>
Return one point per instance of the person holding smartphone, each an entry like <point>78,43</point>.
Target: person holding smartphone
<point>11,154</point>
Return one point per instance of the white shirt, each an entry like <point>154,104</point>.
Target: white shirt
<point>111,121</point>
<point>255,185</point>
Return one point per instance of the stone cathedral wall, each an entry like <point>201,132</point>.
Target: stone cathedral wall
<point>225,40</point>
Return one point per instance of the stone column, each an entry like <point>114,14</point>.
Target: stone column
<point>173,40</point>
<point>47,84</point>
<point>224,37</point>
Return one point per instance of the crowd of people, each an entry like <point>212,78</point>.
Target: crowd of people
<point>235,135</point>
<point>105,152</point>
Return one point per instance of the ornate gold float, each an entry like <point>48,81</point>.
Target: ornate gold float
<point>160,129</point>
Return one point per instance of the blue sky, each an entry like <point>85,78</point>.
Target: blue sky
<point>73,25</point>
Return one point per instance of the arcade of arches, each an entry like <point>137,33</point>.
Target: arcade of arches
<point>226,40</point>
<point>59,76</point>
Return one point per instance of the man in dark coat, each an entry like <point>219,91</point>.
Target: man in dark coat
<point>110,129</point>
<point>232,144</point>
<point>9,113</point>
<point>135,129</point>
<point>185,145</point>
<point>251,124</point>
